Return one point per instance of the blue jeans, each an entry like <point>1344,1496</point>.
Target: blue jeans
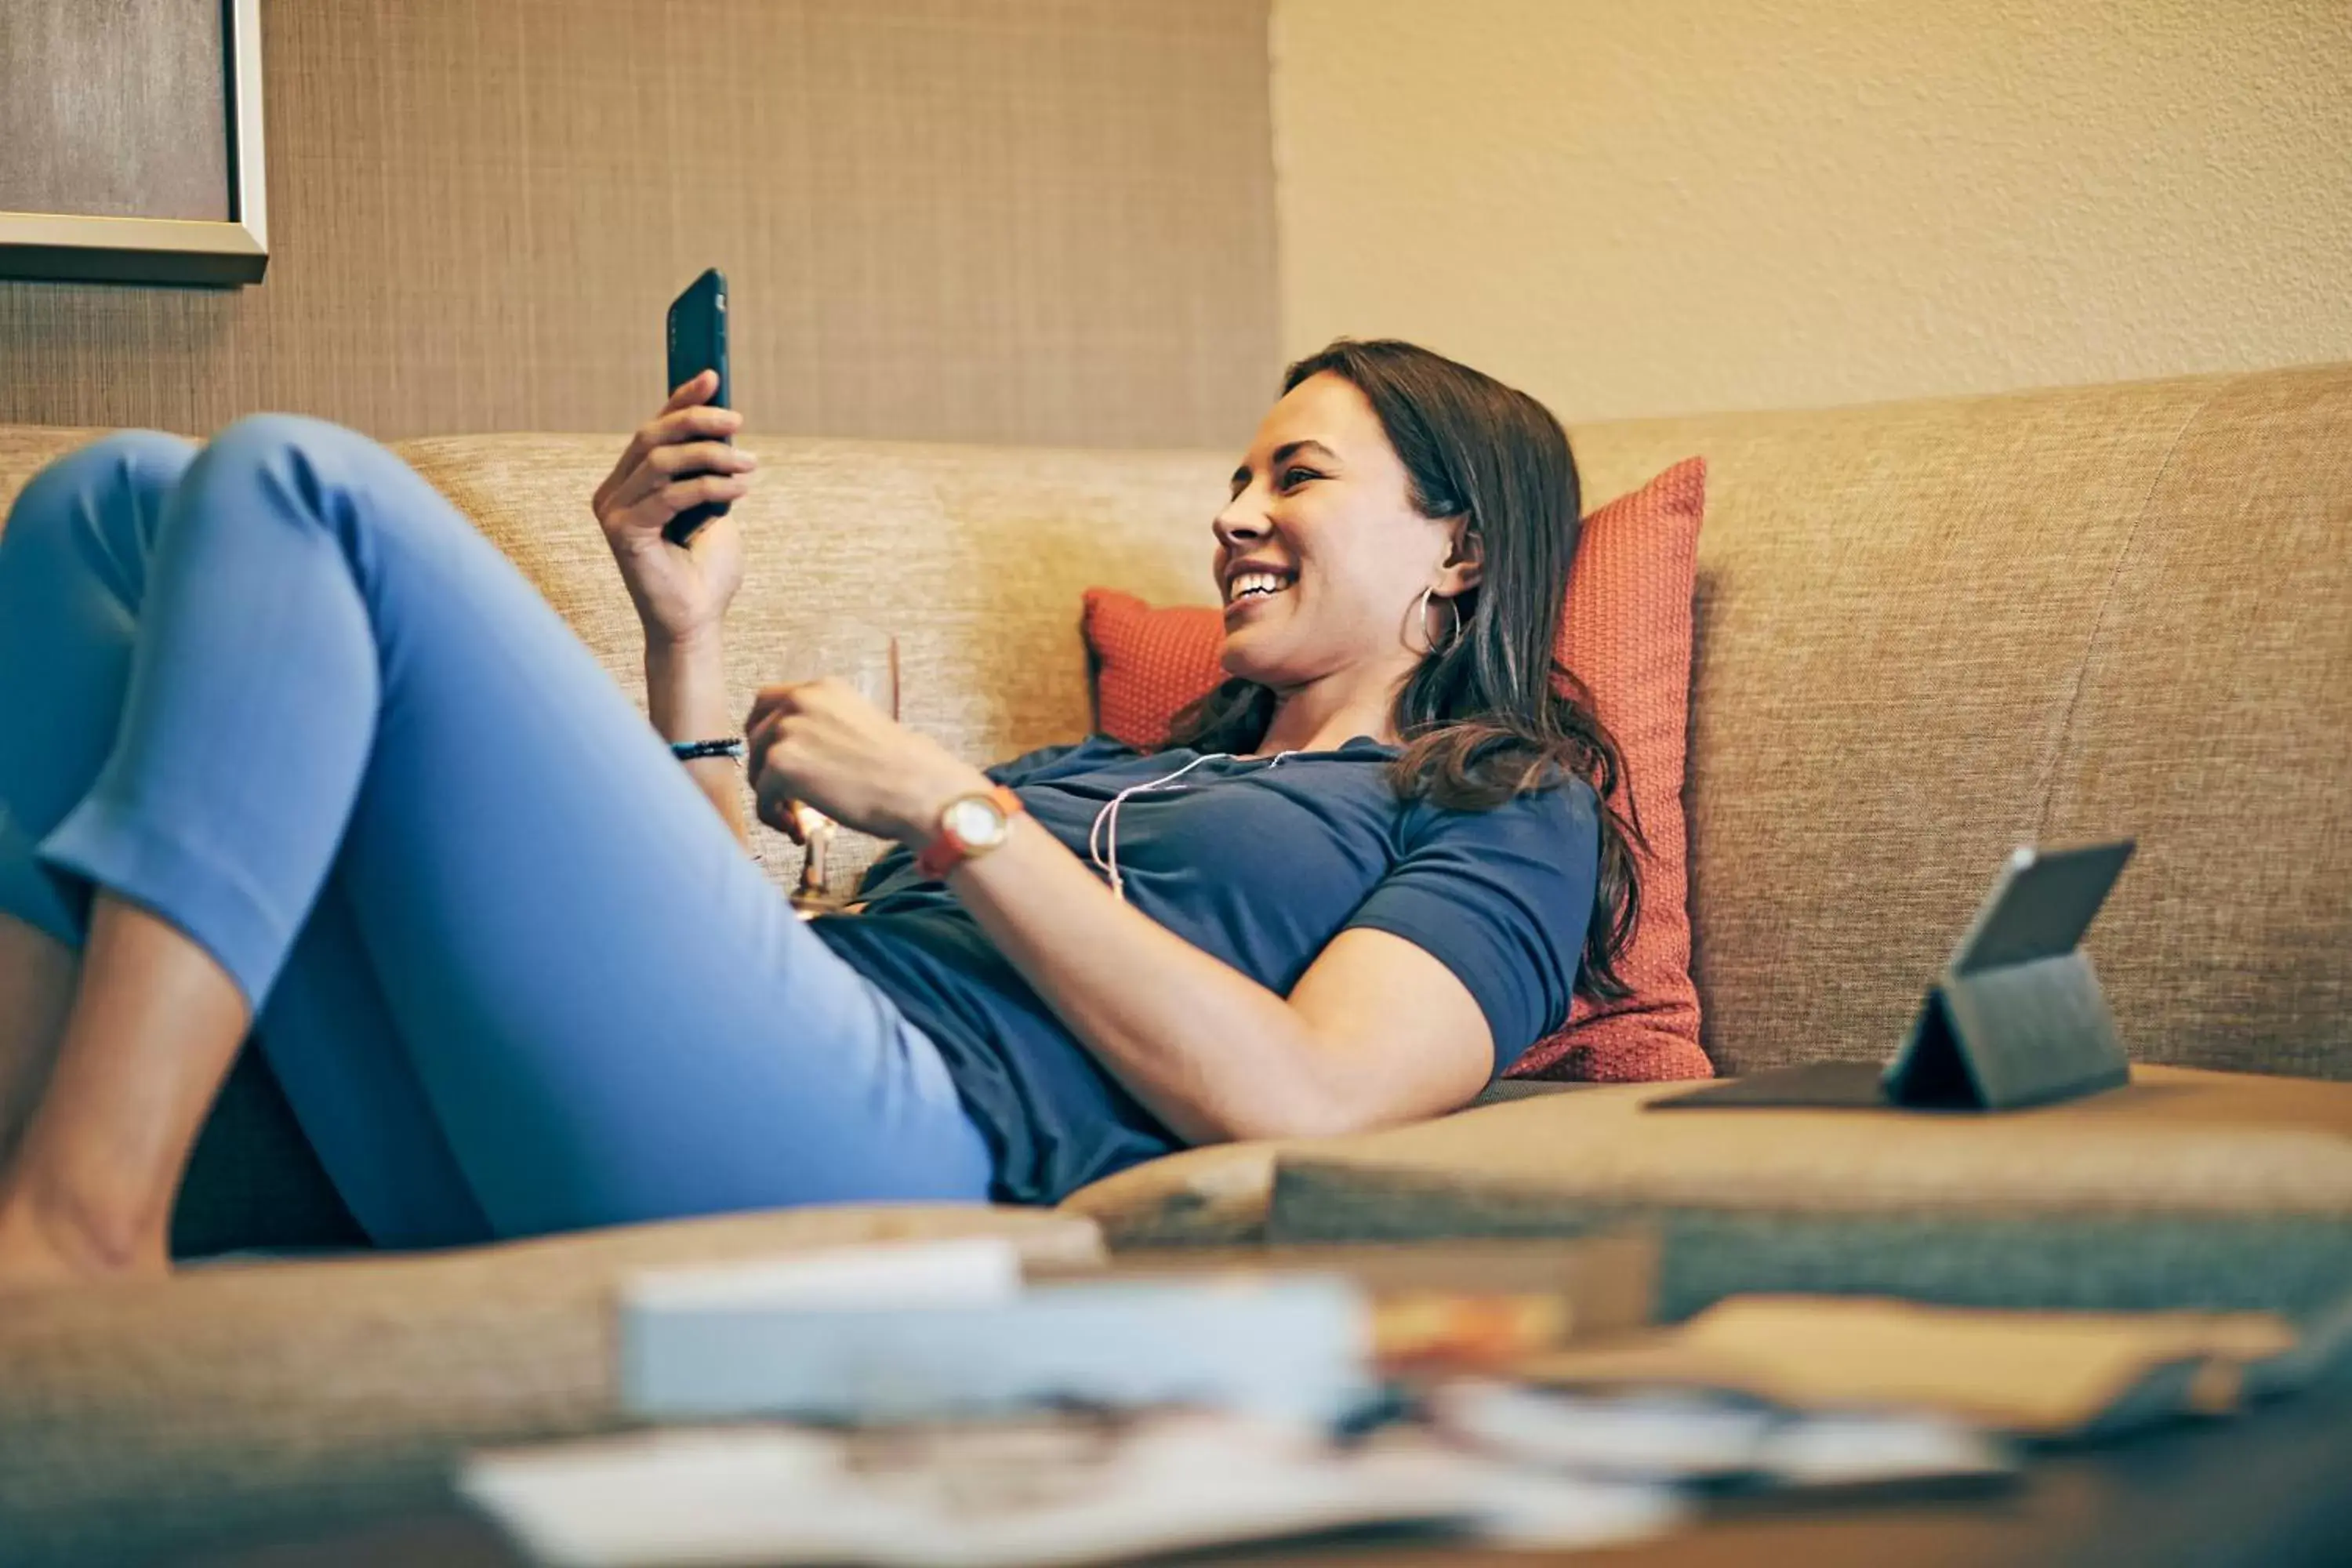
<point>511,970</point>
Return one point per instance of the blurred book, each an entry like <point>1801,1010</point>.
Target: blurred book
<point>1293,1345</point>
<point>1455,1306</point>
<point>912,1331</point>
<point>2042,1374</point>
<point>949,1271</point>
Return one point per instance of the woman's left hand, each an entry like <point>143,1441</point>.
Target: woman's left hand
<point>820,743</point>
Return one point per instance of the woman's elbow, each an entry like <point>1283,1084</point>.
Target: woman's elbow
<point>1318,1112</point>
<point>1324,1088</point>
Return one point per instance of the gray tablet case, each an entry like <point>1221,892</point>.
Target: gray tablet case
<point>2016,1018</point>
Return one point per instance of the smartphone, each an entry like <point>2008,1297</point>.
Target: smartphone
<point>697,342</point>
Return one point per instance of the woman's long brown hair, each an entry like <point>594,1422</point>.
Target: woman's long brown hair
<point>1492,714</point>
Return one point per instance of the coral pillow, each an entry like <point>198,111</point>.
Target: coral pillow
<point>1149,663</point>
<point>1626,632</point>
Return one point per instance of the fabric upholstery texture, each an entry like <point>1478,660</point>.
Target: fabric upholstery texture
<point>285,1397</point>
<point>2189,1188</point>
<point>1625,632</point>
<point>2185,1140</point>
<point>2211,715</point>
<point>2235,1143</point>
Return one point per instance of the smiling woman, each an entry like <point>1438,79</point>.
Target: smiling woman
<point>1382,866</point>
<point>1379,454</point>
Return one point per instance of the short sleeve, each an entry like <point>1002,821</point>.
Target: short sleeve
<point>1503,899</point>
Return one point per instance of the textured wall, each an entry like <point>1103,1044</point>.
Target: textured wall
<point>1694,203</point>
<point>999,220</point>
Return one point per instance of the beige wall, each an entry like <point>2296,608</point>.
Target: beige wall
<point>1684,204</point>
<point>999,220</point>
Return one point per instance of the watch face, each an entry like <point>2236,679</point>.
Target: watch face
<point>975,822</point>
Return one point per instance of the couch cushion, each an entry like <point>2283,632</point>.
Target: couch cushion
<point>2187,1188</point>
<point>1218,1194</point>
<point>2214,720</point>
<point>246,1398</point>
<point>1930,632</point>
<point>1214,1195</point>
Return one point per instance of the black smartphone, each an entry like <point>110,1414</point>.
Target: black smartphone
<point>697,342</point>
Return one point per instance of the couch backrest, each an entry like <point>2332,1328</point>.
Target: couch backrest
<point>1928,633</point>
<point>976,557</point>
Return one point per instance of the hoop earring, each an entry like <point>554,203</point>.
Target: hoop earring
<point>1451,636</point>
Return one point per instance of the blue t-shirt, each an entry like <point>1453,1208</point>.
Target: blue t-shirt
<point>1258,863</point>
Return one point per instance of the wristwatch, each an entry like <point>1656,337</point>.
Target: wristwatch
<point>970,826</point>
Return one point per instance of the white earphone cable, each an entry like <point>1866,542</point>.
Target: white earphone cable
<point>1102,837</point>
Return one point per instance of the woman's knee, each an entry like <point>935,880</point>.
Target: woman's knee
<point>271,469</point>
<point>117,484</point>
<point>264,438</point>
<point>296,464</point>
<point>294,445</point>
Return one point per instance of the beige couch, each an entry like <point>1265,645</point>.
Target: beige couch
<point>1927,633</point>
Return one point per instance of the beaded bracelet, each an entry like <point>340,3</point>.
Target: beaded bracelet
<point>694,751</point>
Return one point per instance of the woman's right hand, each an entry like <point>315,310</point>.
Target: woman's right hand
<point>680,459</point>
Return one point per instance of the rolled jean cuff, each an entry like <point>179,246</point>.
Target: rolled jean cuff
<point>47,904</point>
<point>120,850</point>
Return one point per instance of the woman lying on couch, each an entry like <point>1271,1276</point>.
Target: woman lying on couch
<point>287,748</point>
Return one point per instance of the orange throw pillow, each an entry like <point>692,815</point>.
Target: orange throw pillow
<point>1627,635</point>
<point>1626,632</point>
<point>1149,663</point>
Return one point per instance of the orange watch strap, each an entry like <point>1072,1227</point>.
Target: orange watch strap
<point>945,852</point>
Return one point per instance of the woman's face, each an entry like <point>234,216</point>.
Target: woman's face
<point>1321,556</point>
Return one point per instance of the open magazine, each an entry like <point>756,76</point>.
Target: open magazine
<point>1066,1488</point>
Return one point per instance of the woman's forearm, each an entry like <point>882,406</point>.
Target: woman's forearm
<point>686,697</point>
<point>1213,1053</point>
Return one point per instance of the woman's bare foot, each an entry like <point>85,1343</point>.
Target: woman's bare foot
<point>38,1251</point>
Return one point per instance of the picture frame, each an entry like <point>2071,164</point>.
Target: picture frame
<point>77,247</point>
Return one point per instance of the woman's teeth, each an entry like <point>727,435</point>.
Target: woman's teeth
<point>1252,584</point>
